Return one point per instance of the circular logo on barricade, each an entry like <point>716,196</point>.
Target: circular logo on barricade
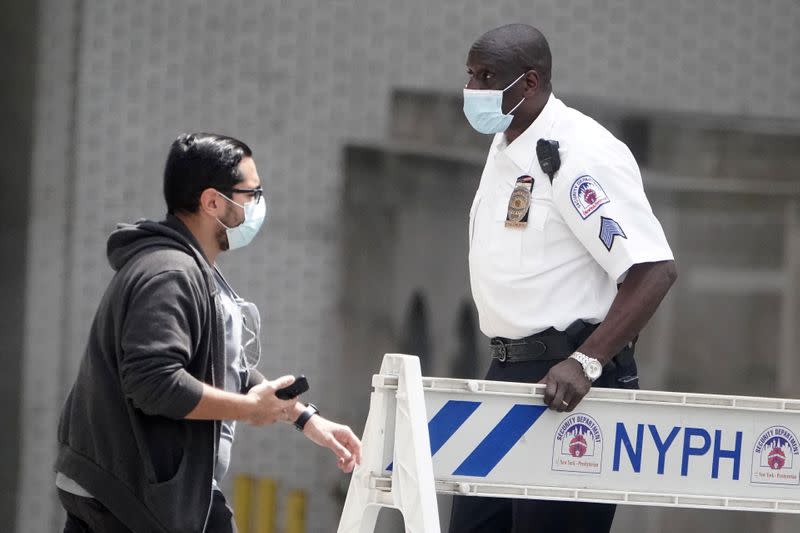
<point>578,445</point>
<point>776,457</point>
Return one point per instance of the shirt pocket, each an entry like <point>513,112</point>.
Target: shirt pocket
<point>533,246</point>
<point>508,249</point>
<point>505,243</point>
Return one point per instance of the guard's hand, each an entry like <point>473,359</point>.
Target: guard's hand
<point>566,385</point>
<point>266,408</point>
<point>336,437</point>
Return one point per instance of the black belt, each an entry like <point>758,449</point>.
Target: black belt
<point>544,348</point>
<point>548,345</point>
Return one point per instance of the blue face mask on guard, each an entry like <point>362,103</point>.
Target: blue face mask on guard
<point>484,109</point>
<point>254,214</point>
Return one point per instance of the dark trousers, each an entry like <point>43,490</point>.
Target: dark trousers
<point>87,515</point>
<point>472,514</point>
<point>501,515</point>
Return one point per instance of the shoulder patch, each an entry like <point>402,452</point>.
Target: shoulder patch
<point>609,228</point>
<point>587,196</point>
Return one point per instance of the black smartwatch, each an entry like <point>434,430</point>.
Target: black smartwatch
<point>305,416</point>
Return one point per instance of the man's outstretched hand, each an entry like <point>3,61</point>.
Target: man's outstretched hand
<point>339,438</point>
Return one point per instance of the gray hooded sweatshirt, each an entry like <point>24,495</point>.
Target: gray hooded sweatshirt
<point>158,335</point>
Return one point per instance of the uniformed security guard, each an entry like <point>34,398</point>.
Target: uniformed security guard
<point>567,261</point>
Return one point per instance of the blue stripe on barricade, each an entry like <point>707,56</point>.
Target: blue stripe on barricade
<point>446,422</point>
<point>500,440</point>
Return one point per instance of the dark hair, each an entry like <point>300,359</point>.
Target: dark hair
<point>198,161</point>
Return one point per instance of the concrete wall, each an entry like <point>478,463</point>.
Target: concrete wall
<point>118,80</point>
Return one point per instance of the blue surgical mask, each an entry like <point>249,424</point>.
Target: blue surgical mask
<point>254,215</point>
<point>484,109</point>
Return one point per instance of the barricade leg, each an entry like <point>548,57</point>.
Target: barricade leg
<point>413,490</point>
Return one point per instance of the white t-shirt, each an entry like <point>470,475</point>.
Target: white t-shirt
<point>583,232</point>
<point>235,369</point>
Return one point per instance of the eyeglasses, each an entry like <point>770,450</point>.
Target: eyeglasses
<point>256,193</point>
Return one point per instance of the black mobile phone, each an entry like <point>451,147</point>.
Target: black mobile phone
<point>297,388</point>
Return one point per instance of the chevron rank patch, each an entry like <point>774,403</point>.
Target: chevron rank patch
<point>609,229</point>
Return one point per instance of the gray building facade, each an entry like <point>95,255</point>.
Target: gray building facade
<point>351,108</point>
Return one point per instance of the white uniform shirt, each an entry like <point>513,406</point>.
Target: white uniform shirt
<point>583,234</point>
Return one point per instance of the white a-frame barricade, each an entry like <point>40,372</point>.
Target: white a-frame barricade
<point>396,429</point>
<point>487,438</point>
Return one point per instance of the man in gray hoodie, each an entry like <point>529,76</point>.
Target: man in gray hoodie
<point>146,431</point>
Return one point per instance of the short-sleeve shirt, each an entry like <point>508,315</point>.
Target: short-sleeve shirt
<point>584,230</point>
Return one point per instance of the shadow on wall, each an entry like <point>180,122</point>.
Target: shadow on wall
<point>464,362</point>
<point>18,40</point>
<point>416,337</point>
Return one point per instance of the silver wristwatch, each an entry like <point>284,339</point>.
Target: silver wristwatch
<point>591,366</point>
